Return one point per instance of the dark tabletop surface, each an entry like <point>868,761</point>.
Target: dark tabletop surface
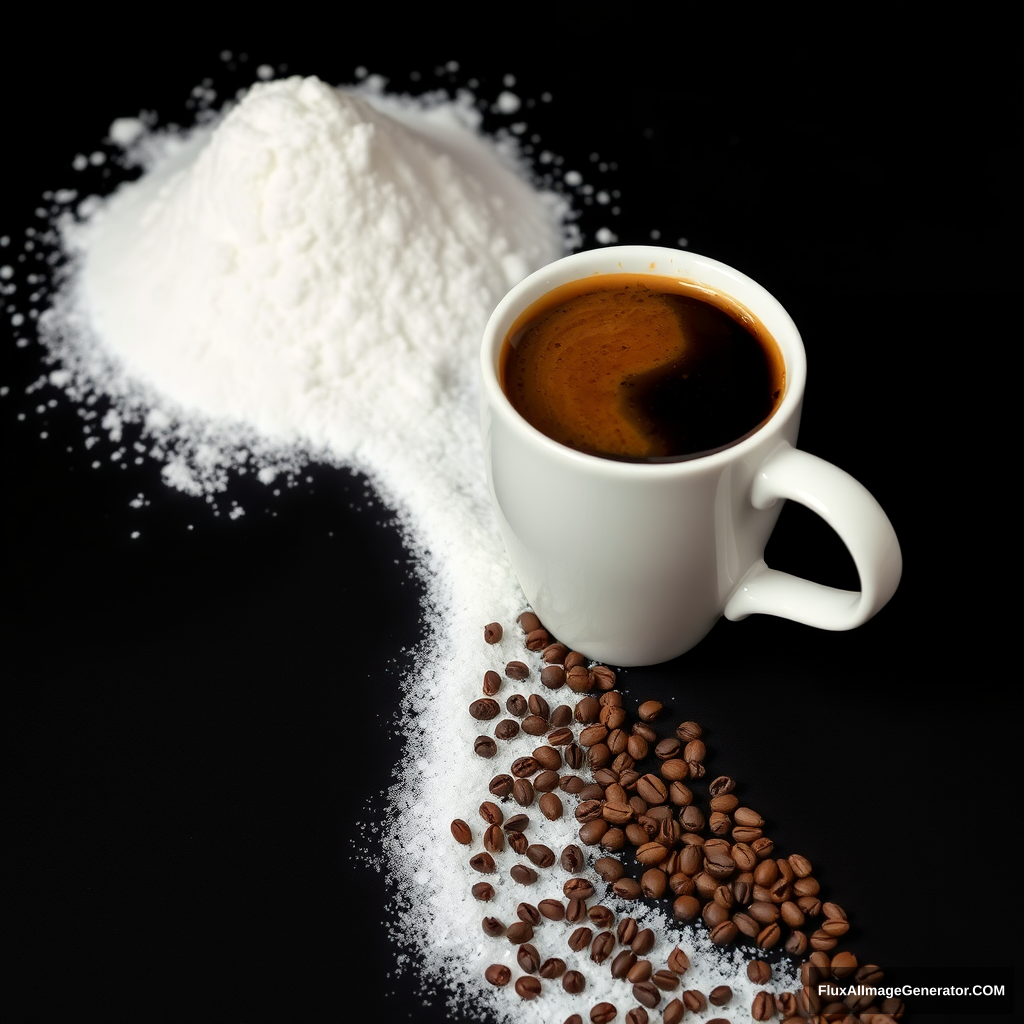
<point>196,722</point>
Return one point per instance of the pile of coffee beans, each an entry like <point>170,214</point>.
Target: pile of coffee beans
<point>638,788</point>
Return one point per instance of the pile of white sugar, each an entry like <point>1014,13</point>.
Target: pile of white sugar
<point>307,276</point>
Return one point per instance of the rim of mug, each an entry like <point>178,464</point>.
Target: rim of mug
<point>643,259</point>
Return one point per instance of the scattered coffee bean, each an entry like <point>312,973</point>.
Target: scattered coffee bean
<point>506,729</point>
<point>462,832</point>
<point>552,968</point>
<point>483,891</point>
<point>637,1015</point>
<point>553,910</point>
<point>501,785</point>
<point>720,995</point>
<point>522,874</point>
<point>493,927</point>
<point>498,975</point>
<point>573,982</point>
<point>528,987</point>
<point>673,1012</point>
<point>484,708</point>
<point>519,931</point>
<point>517,670</point>
<point>482,862</point>
<point>603,1013</point>
<point>484,746</point>
<point>528,958</point>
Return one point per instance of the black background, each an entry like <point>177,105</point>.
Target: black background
<point>196,722</point>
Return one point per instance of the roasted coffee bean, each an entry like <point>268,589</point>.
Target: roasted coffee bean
<point>537,639</point>
<point>541,855</point>
<point>649,710</point>
<point>548,758</point>
<point>523,792</point>
<point>561,717</point>
<point>647,993</point>
<point>785,1004</point>
<point>529,913</point>
<point>673,1012</point>
<point>576,911</point>
<point>546,781</point>
<point>643,942</point>
<point>685,908</point>
<point>623,963</point>
<point>640,971</point>
<point>593,734</point>
<point>745,834</point>
<point>714,914</point>
<point>484,708</point>
<point>833,911</point>
<point>667,981</point>
<point>483,891</point>
<point>763,1006</point>
<point>612,716</point>
<point>843,965</point>
<point>555,653</point>
<point>593,832</point>
<point>506,729</point>
<point>493,927</point>
<point>571,859</point>
<point>484,746</point>
<point>691,818</point>
<point>528,987</point>
<point>587,710</point>
<point>637,1015</point>
<point>603,1013</point>
<point>571,784</point>
<point>498,975</point>
<point>759,971</point>
<point>517,705</point>
<point>627,888</point>
<point>747,926</point>
<point>491,812</point>
<point>524,767</point>
<point>494,839</point>
<point>796,943</point>
<point>560,737</point>
<point>553,967</point>
<point>528,621</point>
<point>678,962</point>
<point>801,865</point>
<point>493,632</point>
<point>553,676</point>
<point>462,832</point>
<point>609,868</point>
<point>553,910</point>
<point>694,1001</point>
<point>482,862</point>
<point>517,670</point>
<point>762,847</point>
<point>522,874</point>
<point>535,725</point>
<point>769,936</point>
<point>539,706</point>
<point>869,974</point>
<point>722,785</point>
<point>519,931</point>
<point>575,756</point>
<point>578,889</point>
<point>668,748</point>
<point>602,946</point>
<point>528,958</point>
<point>601,916</point>
<point>747,816</point>
<point>516,823</point>
<point>653,883</point>
<point>492,683</point>
<point>551,806</point>
<point>725,932</point>
<point>604,677</point>
<point>823,941</point>
<point>518,841</point>
<point>573,982</point>
<point>627,930</point>
<point>636,747</point>
<point>501,785</point>
<point>720,995</point>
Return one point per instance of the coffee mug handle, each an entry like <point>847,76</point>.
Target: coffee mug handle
<point>853,513</point>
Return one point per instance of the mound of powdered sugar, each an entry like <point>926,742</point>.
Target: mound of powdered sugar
<point>307,275</point>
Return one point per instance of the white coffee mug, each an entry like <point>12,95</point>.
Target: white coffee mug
<point>632,563</point>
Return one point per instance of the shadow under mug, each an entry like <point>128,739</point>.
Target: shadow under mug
<point>632,563</point>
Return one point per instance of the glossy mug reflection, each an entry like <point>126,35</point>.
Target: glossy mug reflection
<point>632,525</point>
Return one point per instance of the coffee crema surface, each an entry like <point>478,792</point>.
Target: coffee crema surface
<point>641,367</point>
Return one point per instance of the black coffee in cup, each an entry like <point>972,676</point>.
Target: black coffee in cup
<point>642,368</point>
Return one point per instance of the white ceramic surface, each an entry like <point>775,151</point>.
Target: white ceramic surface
<point>633,563</point>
